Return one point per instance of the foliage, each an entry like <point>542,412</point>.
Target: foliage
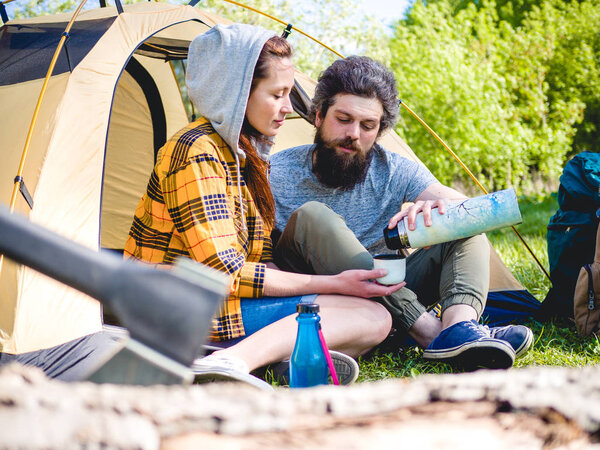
<point>334,23</point>
<point>507,99</point>
<point>34,8</point>
<point>337,24</point>
<point>513,86</point>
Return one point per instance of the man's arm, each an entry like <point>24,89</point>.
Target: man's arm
<point>436,195</point>
<point>438,191</point>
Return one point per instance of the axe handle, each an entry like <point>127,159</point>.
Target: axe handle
<point>55,256</point>
<point>167,312</point>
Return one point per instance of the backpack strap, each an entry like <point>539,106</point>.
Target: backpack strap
<point>591,293</point>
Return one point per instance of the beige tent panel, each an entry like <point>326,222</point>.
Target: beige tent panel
<point>501,279</point>
<point>49,314</point>
<point>38,312</point>
<point>294,131</point>
<point>9,302</point>
<point>18,104</point>
<point>124,182</point>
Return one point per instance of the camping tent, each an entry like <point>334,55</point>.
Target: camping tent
<point>112,101</point>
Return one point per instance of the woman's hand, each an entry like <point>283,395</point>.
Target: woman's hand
<point>424,206</point>
<point>355,283</point>
<point>362,283</point>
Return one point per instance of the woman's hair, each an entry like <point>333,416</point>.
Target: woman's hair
<point>255,175</point>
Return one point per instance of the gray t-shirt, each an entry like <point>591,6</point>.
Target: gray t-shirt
<point>367,208</point>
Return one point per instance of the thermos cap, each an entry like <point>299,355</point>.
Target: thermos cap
<point>310,308</point>
<point>396,238</point>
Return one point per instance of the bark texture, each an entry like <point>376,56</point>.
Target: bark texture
<point>527,408</point>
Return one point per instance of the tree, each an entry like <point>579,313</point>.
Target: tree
<point>334,23</point>
<point>491,90</point>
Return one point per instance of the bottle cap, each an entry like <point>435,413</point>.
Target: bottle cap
<point>310,308</point>
<point>396,238</point>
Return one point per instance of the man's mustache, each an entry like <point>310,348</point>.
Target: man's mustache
<point>347,142</point>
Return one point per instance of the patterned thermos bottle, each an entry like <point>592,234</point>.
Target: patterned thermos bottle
<point>462,219</point>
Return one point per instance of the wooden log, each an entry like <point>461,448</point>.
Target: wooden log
<point>524,408</point>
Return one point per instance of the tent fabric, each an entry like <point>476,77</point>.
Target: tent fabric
<point>106,112</point>
<point>505,307</point>
<point>26,50</point>
<point>66,162</point>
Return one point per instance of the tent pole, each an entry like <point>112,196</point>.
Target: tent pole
<point>19,177</point>
<point>36,112</point>
<point>433,133</point>
<point>455,156</point>
<point>280,21</point>
<point>3,14</point>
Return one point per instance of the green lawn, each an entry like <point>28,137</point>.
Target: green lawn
<point>555,344</point>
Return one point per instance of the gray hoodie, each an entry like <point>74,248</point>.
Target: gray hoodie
<point>219,75</point>
<point>220,67</point>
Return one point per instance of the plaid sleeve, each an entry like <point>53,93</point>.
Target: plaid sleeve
<point>267,255</point>
<point>195,193</point>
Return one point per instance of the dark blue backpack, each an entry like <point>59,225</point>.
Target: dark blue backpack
<point>572,231</point>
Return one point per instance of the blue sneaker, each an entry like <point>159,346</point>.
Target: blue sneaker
<point>468,346</point>
<point>519,337</point>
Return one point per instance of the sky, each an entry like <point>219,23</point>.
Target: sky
<point>388,11</point>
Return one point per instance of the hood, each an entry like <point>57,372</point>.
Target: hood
<point>220,67</point>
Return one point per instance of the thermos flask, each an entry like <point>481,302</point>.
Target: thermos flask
<point>462,219</point>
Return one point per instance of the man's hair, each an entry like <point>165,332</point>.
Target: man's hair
<point>361,76</point>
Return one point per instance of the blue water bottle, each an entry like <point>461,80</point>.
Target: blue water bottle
<point>308,365</point>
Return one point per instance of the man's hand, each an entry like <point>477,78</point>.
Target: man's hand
<point>420,206</point>
<point>362,283</point>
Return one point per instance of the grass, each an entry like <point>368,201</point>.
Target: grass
<point>555,344</point>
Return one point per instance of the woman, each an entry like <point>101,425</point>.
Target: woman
<point>209,199</point>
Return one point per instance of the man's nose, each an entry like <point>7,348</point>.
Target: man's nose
<point>353,131</point>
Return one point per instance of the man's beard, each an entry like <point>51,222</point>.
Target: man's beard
<point>340,170</point>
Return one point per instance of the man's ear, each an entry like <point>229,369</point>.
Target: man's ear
<point>318,119</point>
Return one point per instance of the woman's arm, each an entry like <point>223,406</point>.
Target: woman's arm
<point>198,202</point>
<point>358,283</point>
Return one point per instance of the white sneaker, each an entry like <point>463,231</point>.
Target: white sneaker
<point>345,366</point>
<point>225,362</point>
<point>225,368</point>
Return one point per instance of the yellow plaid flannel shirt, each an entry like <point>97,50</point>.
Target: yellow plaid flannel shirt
<point>191,208</point>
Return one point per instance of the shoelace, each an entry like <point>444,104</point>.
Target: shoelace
<point>487,330</point>
<point>478,328</point>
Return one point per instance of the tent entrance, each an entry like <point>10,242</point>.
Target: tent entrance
<point>147,109</point>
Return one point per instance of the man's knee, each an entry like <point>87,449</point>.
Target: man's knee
<point>475,247</point>
<point>316,214</point>
<point>478,243</point>
<point>326,241</point>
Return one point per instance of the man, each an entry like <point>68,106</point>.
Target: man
<point>337,195</point>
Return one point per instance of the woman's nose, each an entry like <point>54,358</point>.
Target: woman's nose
<point>287,106</point>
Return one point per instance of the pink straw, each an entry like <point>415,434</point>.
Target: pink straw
<point>328,358</point>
